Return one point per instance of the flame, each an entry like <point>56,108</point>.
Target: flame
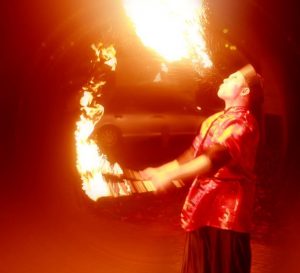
<point>173,28</point>
<point>91,163</point>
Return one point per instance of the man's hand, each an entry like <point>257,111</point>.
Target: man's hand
<point>148,173</point>
<point>159,178</point>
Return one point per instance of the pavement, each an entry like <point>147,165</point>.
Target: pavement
<point>88,238</point>
<point>59,230</point>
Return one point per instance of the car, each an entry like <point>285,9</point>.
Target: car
<point>147,112</point>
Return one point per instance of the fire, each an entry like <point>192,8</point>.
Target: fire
<point>173,28</point>
<point>91,163</point>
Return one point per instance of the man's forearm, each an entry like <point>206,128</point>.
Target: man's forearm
<point>198,166</point>
<point>169,167</point>
<point>186,156</point>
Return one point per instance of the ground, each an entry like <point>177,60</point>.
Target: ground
<point>82,239</point>
<point>49,225</point>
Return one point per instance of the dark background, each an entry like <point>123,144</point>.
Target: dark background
<point>45,53</point>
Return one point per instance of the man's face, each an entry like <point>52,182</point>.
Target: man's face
<point>232,86</point>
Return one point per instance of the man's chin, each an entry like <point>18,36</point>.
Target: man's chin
<point>219,94</point>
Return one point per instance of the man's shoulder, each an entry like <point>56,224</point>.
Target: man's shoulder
<point>214,116</point>
<point>238,125</point>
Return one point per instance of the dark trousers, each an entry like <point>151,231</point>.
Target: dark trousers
<point>213,250</point>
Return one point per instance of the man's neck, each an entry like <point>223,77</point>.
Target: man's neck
<point>230,104</point>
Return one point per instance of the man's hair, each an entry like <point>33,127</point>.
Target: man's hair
<point>255,84</point>
<point>256,99</point>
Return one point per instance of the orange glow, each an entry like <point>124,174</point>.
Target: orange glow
<point>91,163</point>
<point>173,28</point>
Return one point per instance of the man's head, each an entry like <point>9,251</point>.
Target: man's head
<point>255,84</point>
<point>243,87</point>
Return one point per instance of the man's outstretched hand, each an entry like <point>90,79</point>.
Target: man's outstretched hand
<point>159,178</point>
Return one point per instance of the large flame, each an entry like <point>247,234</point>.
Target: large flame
<point>91,163</point>
<point>173,28</point>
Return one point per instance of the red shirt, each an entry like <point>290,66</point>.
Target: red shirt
<point>225,198</point>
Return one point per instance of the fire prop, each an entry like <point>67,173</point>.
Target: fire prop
<point>173,28</point>
<point>99,177</point>
<point>91,163</point>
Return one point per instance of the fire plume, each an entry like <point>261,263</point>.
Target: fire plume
<point>91,163</point>
<point>173,28</point>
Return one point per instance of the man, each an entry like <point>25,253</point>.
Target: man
<point>217,210</point>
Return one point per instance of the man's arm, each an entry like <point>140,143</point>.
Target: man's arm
<point>195,167</point>
<point>211,160</point>
<point>170,166</point>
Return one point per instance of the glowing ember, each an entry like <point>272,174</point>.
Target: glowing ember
<point>173,28</point>
<point>91,164</point>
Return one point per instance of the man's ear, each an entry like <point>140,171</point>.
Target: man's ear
<point>245,91</point>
